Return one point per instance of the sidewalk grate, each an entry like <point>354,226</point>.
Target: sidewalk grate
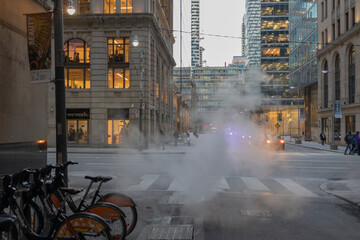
<point>172,232</point>
<point>256,213</point>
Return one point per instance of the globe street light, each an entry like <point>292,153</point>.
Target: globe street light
<point>71,9</point>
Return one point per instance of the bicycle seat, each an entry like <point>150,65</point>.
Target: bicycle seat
<point>94,179</point>
<point>71,191</point>
<point>106,179</point>
<point>98,178</point>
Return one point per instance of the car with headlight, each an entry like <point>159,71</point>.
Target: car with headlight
<point>275,142</point>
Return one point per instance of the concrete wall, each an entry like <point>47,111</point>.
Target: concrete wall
<point>23,105</point>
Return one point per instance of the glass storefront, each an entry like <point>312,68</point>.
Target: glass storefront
<point>118,126</point>
<point>78,126</point>
<point>350,124</point>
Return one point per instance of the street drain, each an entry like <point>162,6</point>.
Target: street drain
<point>256,213</point>
<point>172,232</point>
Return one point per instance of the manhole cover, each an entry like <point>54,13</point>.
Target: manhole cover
<point>172,232</point>
<point>337,187</point>
<point>256,213</point>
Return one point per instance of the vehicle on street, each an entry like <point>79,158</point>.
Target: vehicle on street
<point>275,142</point>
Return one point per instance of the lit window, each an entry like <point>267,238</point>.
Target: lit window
<point>118,50</point>
<point>77,78</point>
<point>76,51</point>
<point>118,78</point>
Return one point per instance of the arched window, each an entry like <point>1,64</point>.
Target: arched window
<point>352,75</point>
<point>337,78</point>
<point>326,85</point>
<point>77,64</point>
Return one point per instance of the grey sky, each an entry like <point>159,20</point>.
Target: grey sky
<point>216,17</point>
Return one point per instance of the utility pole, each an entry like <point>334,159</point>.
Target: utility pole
<point>60,102</point>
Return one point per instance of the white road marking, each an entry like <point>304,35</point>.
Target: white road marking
<point>221,184</point>
<point>146,182</point>
<point>254,184</point>
<point>180,183</point>
<point>295,188</point>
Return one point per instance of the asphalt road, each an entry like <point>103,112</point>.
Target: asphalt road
<point>214,192</point>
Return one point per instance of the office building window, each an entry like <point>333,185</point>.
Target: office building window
<point>326,85</point>
<point>118,78</point>
<point>326,8</point>
<point>339,27</point>
<point>84,6</point>
<point>125,6</point>
<point>347,21</point>
<point>78,78</point>
<point>352,75</point>
<point>350,123</point>
<point>76,51</point>
<point>333,31</point>
<point>118,50</point>
<point>353,16</point>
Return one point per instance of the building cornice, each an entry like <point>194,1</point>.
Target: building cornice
<point>340,41</point>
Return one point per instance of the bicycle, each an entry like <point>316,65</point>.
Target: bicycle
<point>122,201</point>
<point>8,228</point>
<point>109,212</point>
<point>77,226</point>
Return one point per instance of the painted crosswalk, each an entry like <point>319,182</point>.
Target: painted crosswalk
<point>183,183</point>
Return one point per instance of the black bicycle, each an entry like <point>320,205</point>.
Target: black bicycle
<point>78,226</point>
<point>108,211</point>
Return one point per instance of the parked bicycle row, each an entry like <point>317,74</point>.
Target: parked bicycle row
<point>33,202</point>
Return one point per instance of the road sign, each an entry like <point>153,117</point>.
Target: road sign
<point>277,125</point>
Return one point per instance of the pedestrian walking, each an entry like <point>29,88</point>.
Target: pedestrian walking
<point>357,142</point>
<point>323,138</point>
<point>162,139</point>
<point>348,141</point>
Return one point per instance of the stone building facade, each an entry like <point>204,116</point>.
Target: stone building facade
<point>339,68</point>
<point>118,73</point>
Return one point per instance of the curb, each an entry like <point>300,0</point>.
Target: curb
<point>328,150</point>
<point>116,152</point>
<point>323,187</point>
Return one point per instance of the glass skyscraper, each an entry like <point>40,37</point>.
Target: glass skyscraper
<point>303,42</point>
<point>275,46</point>
<point>267,43</point>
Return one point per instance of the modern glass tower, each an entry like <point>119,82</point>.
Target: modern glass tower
<point>253,34</point>
<point>303,39</point>
<point>195,33</point>
<point>275,46</point>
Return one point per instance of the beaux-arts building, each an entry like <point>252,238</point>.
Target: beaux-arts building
<point>339,68</point>
<point>115,89</point>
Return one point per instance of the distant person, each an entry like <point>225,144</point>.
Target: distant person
<point>357,142</point>
<point>348,141</point>
<point>162,139</point>
<point>322,138</point>
<point>176,137</point>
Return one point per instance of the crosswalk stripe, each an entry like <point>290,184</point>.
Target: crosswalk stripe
<point>180,183</point>
<point>221,183</point>
<point>145,183</point>
<point>254,184</point>
<point>295,188</point>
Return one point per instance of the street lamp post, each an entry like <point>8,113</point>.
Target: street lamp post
<point>298,103</point>
<point>141,108</point>
<point>60,102</point>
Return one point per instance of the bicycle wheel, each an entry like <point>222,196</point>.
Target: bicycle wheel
<point>34,216</point>
<point>127,205</point>
<point>112,216</point>
<point>83,226</point>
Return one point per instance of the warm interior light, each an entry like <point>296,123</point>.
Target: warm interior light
<point>41,141</point>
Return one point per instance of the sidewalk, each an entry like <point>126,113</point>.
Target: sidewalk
<point>316,145</point>
<point>347,190</point>
<point>170,148</point>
